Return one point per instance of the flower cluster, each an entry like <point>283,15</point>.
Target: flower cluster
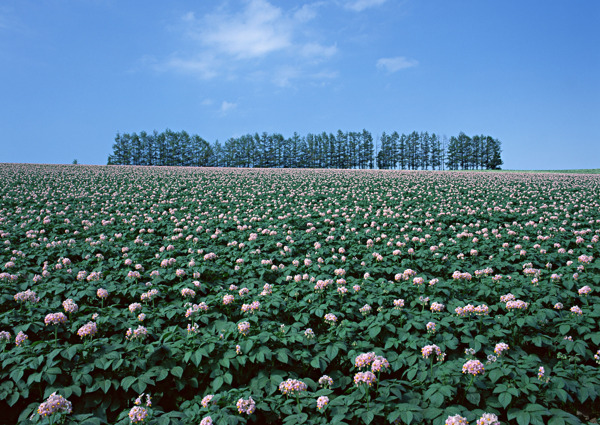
<point>516,305</point>
<point>367,377</point>
<point>292,386</point>
<point>365,310</point>
<point>70,306</point>
<point>470,309</point>
<point>246,406</point>
<point>325,381</point>
<point>308,333</point>
<point>196,308</point>
<point>501,348</point>
<point>188,292</point>
<point>461,276</point>
<point>456,420</point>
<point>207,420</point>
<point>428,350</point>
<point>55,404</point>
<point>206,400</point>
<point>20,338</point>
<point>55,318</point>
<point>148,296</point>
<point>322,402</point>
<point>473,367</point>
<point>250,308</point>
<point>139,333</point>
<point>398,304</point>
<point>134,307</point>
<point>331,318</point>
<point>26,296</point>
<point>89,329</point>
<point>584,290</point>
<point>102,293</point>
<point>488,419</point>
<point>435,306</point>
<point>138,414</point>
<point>244,328</point>
<point>576,310</point>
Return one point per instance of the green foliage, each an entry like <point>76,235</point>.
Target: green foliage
<point>293,248</point>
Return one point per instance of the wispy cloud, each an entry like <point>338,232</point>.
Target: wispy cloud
<point>227,106</point>
<point>360,5</point>
<point>257,31</point>
<point>396,64</point>
<point>251,41</point>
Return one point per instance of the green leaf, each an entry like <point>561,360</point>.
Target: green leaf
<point>474,398</point>
<point>127,382</point>
<point>505,399</point>
<point>177,371</point>
<point>228,378</point>
<point>523,418</point>
<point>217,383</point>
<point>368,417</point>
<point>564,329</point>
<point>16,375</point>
<point>282,356</point>
<point>374,331</point>
<point>436,399</point>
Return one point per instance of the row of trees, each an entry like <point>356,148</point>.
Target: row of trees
<point>415,151</point>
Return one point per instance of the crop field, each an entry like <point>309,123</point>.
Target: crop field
<point>167,295</point>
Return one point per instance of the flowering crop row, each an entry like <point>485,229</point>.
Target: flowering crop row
<point>132,294</point>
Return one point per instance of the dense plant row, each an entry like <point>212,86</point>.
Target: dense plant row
<point>300,296</point>
<point>343,150</point>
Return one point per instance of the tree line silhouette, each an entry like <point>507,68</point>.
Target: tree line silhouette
<point>349,150</point>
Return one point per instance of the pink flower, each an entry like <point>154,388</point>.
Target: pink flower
<point>244,328</point>
<point>473,367</point>
<point>488,419</point>
<point>55,318</point>
<point>70,306</point>
<point>325,381</point>
<point>576,310</point>
<point>55,404</point>
<point>21,337</point>
<point>367,377</point>
<point>102,293</point>
<point>500,348</point>
<point>137,414</point>
<point>456,420</point>
<point>89,329</point>
<point>322,402</point>
<point>331,318</point>
<point>292,386</point>
<point>246,406</point>
<point>206,400</point>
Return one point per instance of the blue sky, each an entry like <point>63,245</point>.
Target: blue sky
<point>73,73</point>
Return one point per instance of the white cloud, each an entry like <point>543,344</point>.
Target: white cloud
<point>259,42</point>
<point>257,31</point>
<point>360,5</point>
<point>306,13</point>
<point>396,64</point>
<point>317,51</point>
<point>202,67</point>
<point>227,106</point>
